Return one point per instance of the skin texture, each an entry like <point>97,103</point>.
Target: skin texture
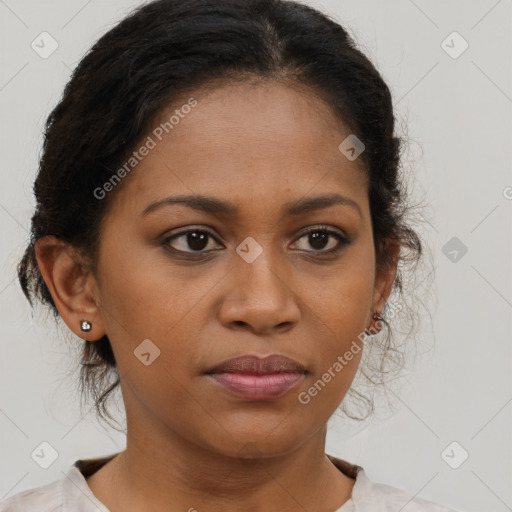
<point>190,443</point>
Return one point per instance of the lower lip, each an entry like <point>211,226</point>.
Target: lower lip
<point>258,387</point>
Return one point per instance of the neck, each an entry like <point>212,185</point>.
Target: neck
<point>170,473</point>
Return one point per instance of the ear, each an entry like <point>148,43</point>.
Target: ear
<point>384,280</point>
<point>71,284</point>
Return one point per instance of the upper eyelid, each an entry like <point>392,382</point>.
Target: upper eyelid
<point>304,231</point>
<point>184,231</point>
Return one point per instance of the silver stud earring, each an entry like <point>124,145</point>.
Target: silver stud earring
<point>85,325</point>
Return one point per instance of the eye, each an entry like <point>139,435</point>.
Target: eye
<point>320,238</point>
<point>191,241</point>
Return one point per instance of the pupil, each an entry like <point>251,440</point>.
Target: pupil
<point>197,240</point>
<point>318,239</point>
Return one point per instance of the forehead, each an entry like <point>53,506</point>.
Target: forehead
<point>244,141</point>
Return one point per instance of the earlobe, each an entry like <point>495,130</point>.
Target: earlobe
<point>70,284</point>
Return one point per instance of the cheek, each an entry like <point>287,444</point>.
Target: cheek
<point>339,310</point>
<point>145,297</point>
<point>338,347</point>
<point>342,298</point>
<point>141,290</point>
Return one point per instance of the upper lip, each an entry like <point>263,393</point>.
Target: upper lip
<point>275,363</point>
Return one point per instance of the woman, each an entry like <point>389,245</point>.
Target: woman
<point>220,217</point>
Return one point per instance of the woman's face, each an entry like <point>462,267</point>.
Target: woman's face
<point>254,284</point>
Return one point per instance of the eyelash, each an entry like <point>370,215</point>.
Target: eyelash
<point>342,241</point>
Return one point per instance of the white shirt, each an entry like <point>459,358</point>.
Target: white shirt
<point>71,493</point>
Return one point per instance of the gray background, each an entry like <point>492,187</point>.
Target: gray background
<point>457,112</point>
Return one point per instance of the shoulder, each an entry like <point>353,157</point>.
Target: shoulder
<point>369,496</point>
<point>69,493</point>
<point>45,498</point>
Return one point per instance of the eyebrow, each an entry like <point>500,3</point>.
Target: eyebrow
<point>219,206</point>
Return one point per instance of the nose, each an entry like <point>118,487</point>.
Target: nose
<point>260,297</point>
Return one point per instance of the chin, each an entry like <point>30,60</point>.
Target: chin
<point>253,444</point>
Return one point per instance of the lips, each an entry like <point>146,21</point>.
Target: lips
<point>254,365</point>
<point>255,378</point>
